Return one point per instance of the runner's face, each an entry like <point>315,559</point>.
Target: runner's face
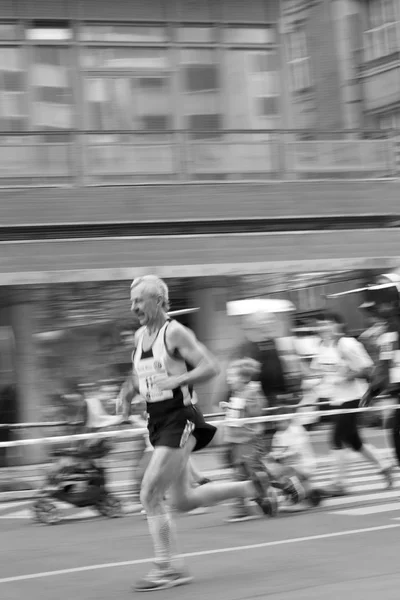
<point>144,304</point>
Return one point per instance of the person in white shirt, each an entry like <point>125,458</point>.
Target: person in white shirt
<point>292,463</point>
<point>342,366</point>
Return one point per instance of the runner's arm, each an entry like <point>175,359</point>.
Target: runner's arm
<point>184,343</point>
<point>130,388</point>
<point>379,379</point>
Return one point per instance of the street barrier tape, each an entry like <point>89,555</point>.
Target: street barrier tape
<point>270,409</point>
<point>138,432</point>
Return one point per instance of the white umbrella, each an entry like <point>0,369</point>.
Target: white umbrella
<point>253,306</point>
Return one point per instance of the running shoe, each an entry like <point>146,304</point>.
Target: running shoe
<point>314,497</point>
<point>241,513</point>
<point>294,490</point>
<point>387,474</point>
<point>263,496</point>
<point>162,578</point>
<point>200,510</point>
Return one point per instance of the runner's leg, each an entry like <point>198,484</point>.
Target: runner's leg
<point>186,498</point>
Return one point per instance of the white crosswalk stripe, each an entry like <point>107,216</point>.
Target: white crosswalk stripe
<point>368,493</point>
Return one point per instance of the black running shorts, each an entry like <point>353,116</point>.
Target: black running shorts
<point>171,423</point>
<point>345,430</point>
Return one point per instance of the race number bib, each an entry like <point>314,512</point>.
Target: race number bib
<point>147,370</point>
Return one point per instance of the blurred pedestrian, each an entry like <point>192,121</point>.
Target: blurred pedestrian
<point>343,365</point>
<point>386,375</point>
<point>292,462</point>
<point>8,416</point>
<point>243,439</point>
<point>261,331</point>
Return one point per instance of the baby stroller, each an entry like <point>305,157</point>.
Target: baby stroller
<point>78,479</point>
<point>292,488</point>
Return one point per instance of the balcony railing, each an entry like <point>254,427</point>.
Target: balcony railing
<point>114,157</point>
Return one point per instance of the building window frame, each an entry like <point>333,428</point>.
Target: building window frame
<point>382,36</point>
<point>299,63</point>
<point>262,47</point>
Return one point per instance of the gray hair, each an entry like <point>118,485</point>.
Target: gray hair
<point>159,287</point>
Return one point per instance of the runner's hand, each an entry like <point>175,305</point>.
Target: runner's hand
<point>163,382</point>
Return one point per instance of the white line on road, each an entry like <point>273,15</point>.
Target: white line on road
<point>141,561</point>
<point>368,510</point>
<point>360,498</point>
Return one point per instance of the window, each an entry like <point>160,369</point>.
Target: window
<point>55,31</point>
<point>12,90</point>
<point>381,12</point>
<point>389,121</point>
<point>250,35</point>
<point>50,79</point>
<point>123,33</point>
<point>8,31</point>
<point>196,35</point>
<point>201,91</point>
<point>127,88</point>
<point>299,60</point>
<point>115,60</point>
<point>251,72</point>
<point>383,35</point>
<point>252,78</point>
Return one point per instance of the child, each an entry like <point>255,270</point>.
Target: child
<point>243,439</point>
<point>292,463</point>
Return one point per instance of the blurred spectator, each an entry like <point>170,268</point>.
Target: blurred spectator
<point>370,339</point>
<point>376,327</point>
<point>8,416</point>
<point>263,343</point>
<point>292,462</point>
<point>243,438</point>
<point>342,364</point>
<point>260,344</point>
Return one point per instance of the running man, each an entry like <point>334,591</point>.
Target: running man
<point>176,427</point>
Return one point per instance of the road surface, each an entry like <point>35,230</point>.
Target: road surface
<point>349,547</point>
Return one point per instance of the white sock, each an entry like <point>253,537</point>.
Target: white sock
<point>163,533</point>
<point>340,460</point>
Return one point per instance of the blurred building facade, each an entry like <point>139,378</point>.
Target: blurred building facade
<point>200,65</point>
<point>344,63</point>
<point>163,110</point>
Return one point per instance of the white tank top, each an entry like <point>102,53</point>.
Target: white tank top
<point>329,361</point>
<point>158,361</point>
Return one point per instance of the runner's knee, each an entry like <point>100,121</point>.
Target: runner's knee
<point>151,493</point>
